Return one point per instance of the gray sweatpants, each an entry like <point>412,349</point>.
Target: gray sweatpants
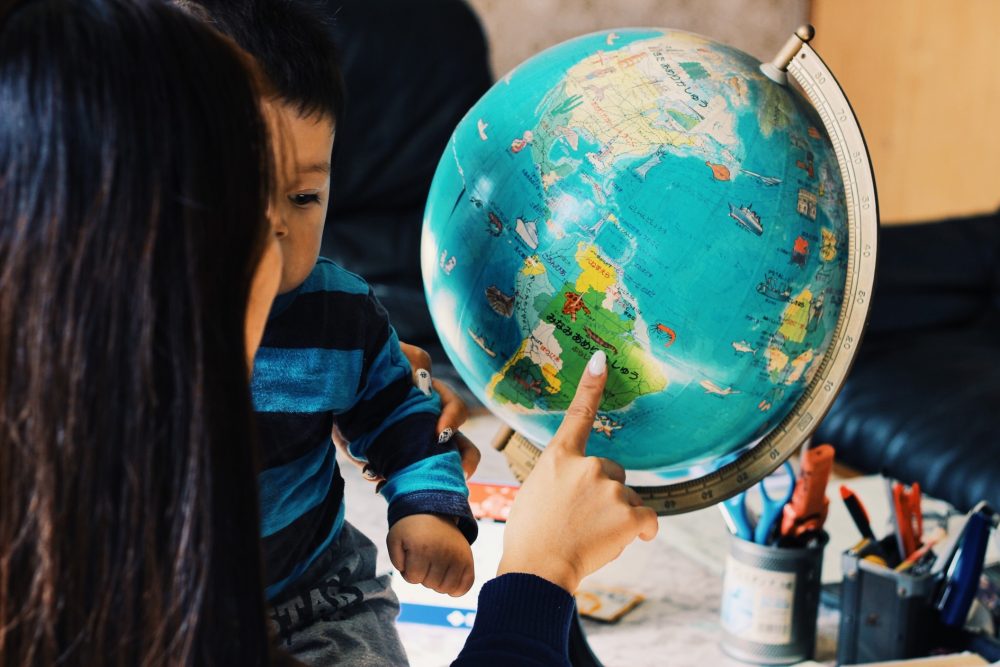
<point>345,615</point>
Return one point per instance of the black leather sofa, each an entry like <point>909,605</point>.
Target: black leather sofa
<point>922,402</point>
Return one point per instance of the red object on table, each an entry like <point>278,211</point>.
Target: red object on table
<point>909,517</point>
<point>491,501</point>
<point>806,511</point>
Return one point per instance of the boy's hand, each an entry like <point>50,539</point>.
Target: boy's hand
<point>429,549</point>
<point>454,412</point>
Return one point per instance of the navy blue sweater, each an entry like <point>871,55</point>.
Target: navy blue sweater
<point>522,620</point>
<point>329,357</point>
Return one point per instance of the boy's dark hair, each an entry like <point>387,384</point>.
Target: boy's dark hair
<point>292,43</point>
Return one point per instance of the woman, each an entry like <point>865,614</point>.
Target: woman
<point>136,272</point>
<point>132,199</point>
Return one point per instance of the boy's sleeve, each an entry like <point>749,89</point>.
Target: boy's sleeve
<point>392,425</point>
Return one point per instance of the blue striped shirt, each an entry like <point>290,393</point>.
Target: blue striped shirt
<point>330,357</point>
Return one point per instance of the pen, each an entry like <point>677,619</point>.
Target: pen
<point>920,553</point>
<point>862,544</point>
<point>965,568</point>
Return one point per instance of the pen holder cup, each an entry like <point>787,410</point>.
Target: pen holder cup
<point>884,614</point>
<point>770,599</point>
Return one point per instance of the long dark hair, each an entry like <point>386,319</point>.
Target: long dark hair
<point>132,196</point>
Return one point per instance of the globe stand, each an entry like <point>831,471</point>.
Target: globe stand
<point>797,61</point>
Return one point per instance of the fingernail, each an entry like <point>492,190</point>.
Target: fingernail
<point>424,381</point>
<point>445,435</point>
<point>597,363</point>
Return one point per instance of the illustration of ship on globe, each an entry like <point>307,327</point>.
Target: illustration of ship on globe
<point>747,218</point>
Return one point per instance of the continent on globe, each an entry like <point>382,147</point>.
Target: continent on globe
<point>560,344</point>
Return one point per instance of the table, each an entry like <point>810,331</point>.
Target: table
<point>679,573</point>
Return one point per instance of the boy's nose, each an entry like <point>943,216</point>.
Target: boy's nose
<point>277,221</point>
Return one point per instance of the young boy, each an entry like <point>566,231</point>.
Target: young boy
<point>329,358</point>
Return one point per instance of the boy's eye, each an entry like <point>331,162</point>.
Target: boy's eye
<point>304,199</point>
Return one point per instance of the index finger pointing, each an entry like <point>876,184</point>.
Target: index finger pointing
<point>579,419</point>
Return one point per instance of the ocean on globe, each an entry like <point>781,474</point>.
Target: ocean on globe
<point>648,193</point>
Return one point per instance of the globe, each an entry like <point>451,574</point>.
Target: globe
<point>650,194</point>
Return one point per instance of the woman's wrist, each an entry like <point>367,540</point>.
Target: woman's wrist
<point>557,572</point>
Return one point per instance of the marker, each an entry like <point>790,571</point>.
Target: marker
<point>858,513</point>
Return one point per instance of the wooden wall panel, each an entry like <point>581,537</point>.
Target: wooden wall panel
<point>518,29</point>
<point>924,79</point>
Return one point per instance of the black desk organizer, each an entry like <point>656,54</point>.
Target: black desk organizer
<point>885,615</point>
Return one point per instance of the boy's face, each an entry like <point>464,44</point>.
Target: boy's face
<point>302,149</point>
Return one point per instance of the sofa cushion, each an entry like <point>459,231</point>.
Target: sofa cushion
<point>936,275</point>
<point>412,70</point>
